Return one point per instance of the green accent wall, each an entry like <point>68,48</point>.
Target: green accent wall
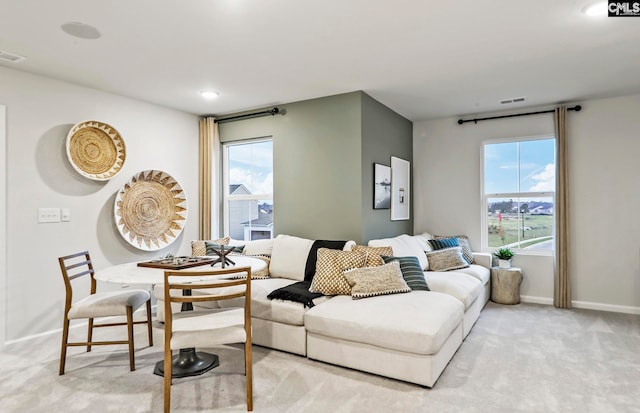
<point>384,134</point>
<point>324,151</point>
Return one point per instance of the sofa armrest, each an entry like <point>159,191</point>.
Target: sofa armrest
<point>483,258</point>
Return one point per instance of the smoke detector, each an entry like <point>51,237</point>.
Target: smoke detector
<point>11,57</point>
<point>512,100</point>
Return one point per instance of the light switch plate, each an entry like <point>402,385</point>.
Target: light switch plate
<point>48,214</point>
<point>65,214</point>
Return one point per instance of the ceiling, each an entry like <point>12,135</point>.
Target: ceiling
<point>422,58</point>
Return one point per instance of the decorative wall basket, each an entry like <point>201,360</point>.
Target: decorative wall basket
<point>96,150</point>
<point>150,210</point>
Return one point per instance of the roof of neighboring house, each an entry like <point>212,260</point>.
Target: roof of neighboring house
<point>237,189</point>
<point>263,220</point>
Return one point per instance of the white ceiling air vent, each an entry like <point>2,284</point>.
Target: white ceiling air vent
<point>10,57</point>
<point>513,100</point>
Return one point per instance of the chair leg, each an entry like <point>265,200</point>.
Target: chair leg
<point>89,334</point>
<point>149,327</point>
<point>167,379</point>
<point>248,371</point>
<point>65,338</point>
<point>132,364</point>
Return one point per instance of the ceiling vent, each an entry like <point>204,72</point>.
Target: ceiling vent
<point>10,57</point>
<point>512,100</point>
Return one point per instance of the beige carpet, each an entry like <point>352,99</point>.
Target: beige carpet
<point>524,358</point>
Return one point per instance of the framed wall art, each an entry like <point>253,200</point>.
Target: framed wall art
<point>381,186</point>
<point>400,189</point>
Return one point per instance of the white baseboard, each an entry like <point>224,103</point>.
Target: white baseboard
<point>606,307</point>
<point>587,305</point>
<point>536,300</point>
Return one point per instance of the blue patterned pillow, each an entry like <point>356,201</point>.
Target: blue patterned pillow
<point>442,243</point>
<point>411,272</point>
<point>210,246</point>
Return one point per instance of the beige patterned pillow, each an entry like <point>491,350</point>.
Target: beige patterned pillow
<point>374,254</point>
<point>446,259</point>
<point>372,281</point>
<point>199,248</point>
<point>260,274</point>
<point>328,278</point>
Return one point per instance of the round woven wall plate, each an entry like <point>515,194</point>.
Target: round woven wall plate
<point>150,210</point>
<point>96,150</point>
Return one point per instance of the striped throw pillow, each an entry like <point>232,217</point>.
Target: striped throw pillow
<point>411,272</point>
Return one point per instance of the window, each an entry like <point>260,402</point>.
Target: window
<point>248,189</point>
<point>519,194</point>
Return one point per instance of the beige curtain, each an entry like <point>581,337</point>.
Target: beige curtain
<point>209,166</point>
<point>562,290</point>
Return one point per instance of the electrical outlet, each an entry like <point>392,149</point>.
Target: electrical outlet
<point>48,214</point>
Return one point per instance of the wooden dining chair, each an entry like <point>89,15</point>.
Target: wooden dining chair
<point>104,304</point>
<point>207,328</point>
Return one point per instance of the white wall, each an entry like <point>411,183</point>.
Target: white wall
<point>40,113</point>
<point>604,152</point>
<point>3,226</point>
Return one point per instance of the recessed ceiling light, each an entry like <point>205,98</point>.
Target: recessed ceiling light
<point>209,94</point>
<point>81,30</point>
<point>598,9</point>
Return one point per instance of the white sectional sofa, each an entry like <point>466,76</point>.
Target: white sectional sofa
<point>410,336</point>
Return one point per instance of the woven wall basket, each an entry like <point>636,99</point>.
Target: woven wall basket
<point>150,210</point>
<point>96,150</point>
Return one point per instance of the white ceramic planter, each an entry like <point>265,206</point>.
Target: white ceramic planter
<point>504,264</point>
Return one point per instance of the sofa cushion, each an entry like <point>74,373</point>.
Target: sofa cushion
<point>446,259</point>
<point>255,247</point>
<point>374,254</point>
<point>464,287</point>
<point>463,241</point>
<point>403,245</point>
<point>411,272</point>
<point>423,240</point>
<point>329,279</point>
<point>481,273</point>
<point>418,322</point>
<point>281,311</point>
<point>379,280</point>
<point>289,257</point>
<point>199,249</point>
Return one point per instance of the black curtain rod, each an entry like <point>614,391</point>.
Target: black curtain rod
<point>272,112</point>
<point>577,108</point>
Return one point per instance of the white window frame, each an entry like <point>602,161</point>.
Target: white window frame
<point>226,197</point>
<point>485,197</point>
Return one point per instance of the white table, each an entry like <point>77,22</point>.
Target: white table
<point>130,273</point>
<point>188,362</point>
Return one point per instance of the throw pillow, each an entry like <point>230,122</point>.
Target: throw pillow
<point>328,278</point>
<point>260,274</point>
<point>411,272</point>
<point>210,246</point>
<point>463,241</point>
<point>374,254</point>
<point>371,281</point>
<point>446,259</point>
<point>442,243</point>
<point>199,249</point>
<point>289,257</point>
<point>312,258</point>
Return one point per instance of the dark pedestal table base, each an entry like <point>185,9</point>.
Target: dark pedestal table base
<point>188,363</point>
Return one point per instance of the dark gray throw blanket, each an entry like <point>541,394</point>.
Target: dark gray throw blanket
<point>298,292</point>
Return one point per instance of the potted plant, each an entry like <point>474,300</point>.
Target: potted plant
<point>504,256</point>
